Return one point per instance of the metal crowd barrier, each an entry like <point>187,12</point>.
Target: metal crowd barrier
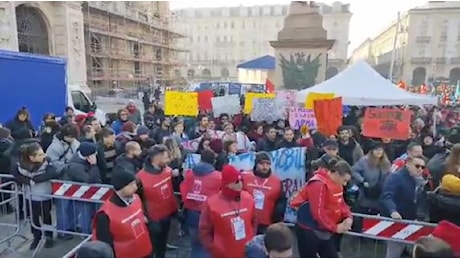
<point>72,253</point>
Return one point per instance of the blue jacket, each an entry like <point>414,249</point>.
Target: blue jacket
<point>192,218</point>
<point>117,126</point>
<point>255,247</point>
<point>400,194</point>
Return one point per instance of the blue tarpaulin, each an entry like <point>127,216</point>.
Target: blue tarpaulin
<point>34,81</point>
<point>266,62</point>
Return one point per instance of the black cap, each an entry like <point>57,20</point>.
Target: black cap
<point>122,178</point>
<point>262,156</point>
<point>330,143</point>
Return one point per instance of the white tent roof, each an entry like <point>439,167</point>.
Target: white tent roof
<point>361,85</point>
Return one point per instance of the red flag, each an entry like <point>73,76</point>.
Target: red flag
<point>328,115</point>
<point>269,87</point>
<point>204,100</point>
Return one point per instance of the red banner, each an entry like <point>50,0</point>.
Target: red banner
<point>204,100</point>
<point>387,123</point>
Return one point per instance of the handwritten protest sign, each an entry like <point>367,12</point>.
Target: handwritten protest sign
<point>299,116</point>
<point>227,104</point>
<point>387,123</point>
<point>312,96</point>
<point>242,141</point>
<point>287,163</point>
<point>288,97</point>
<point>249,98</point>
<point>181,103</point>
<point>264,109</point>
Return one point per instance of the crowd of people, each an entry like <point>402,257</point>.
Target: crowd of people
<point>226,212</point>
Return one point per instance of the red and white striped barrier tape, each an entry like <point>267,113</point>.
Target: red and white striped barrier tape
<point>81,191</point>
<point>395,230</point>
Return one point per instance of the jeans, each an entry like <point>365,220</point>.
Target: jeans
<point>160,238</point>
<point>65,215</point>
<point>86,211</point>
<point>198,251</point>
<point>310,246</point>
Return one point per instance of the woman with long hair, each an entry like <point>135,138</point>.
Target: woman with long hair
<point>34,172</point>
<point>369,174</point>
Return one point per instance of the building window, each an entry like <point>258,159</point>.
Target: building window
<point>231,38</point>
<point>191,38</point>
<point>217,25</point>
<point>217,39</point>
<point>232,25</point>
<point>243,25</point>
<point>225,25</point>
<point>137,67</point>
<point>225,38</point>
<point>206,38</point>
<point>198,39</point>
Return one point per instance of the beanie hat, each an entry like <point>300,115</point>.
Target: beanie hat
<point>4,132</point>
<point>121,178</point>
<point>129,127</point>
<point>86,149</point>
<point>230,175</point>
<point>95,249</point>
<point>142,130</point>
<point>262,157</point>
<point>375,145</point>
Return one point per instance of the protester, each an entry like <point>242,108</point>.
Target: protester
<point>21,122</point>
<point>156,192</point>
<point>322,211</point>
<point>107,151</point>
<point>131,159</point>
<point>34,172</point>
<point>276,242</point>
<point>47,131</point>
<point>134,113</point>
<point>201,128</point>
<point>432,247</point>
<point>200,183</point>
<point>120,222</point>
<point>227,220</point>
<point>267,190</point>
<point>269,142</point>
<point>349,149</point>
<point>122,117</point>
<point>94,249</point>
<point>399,197</point>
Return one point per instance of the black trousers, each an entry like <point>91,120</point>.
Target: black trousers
<point>160,238</point>
<point>310,246</point>
<point>40,209</point>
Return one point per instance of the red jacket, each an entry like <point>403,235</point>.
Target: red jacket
<point>326,201</point>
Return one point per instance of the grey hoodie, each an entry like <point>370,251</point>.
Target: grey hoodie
<point>60,154</point>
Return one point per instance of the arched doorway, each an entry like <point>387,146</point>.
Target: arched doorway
<point>331,72</point>
<point>32,30</point>
<point>191,73</point>
<point>206,72</point>
<point>224,73</point>
<point>454,76</point>
<point>418,76</point>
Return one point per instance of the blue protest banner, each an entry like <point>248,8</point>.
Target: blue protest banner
<point>234,89</point>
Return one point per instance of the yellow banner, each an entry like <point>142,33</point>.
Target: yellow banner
<point>181,103</point>
<point>311,97</point>
<point>249,97</point>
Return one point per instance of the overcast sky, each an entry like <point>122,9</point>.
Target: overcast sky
<point>369,16</point>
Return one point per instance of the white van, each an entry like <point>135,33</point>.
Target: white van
<point>82,104</point>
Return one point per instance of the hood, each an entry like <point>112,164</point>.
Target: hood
<point>255,247</point>
<point>202,169</point>
<point>5,144</point>
<point>94,249</point>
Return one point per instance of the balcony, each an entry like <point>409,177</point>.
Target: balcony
<point>423,39</point>
<point>421,61</point>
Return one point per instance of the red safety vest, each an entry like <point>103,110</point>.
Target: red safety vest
<point>334,199</point>
<point>128,228</point>
<point>195,190</point>
<point>158,194</point>
<point>266,192</point>
<point>225,216</point>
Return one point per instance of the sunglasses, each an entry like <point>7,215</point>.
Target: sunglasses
<point>418,166</point>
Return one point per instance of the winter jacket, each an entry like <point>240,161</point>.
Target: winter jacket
<point>351,152</point>
<point>79,170</point>
<point>60,152</point>
<point>36,182</point>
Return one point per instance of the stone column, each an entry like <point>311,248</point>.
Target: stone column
<point>301,48</point>
<point>69,38</point>
<point>8,29</point>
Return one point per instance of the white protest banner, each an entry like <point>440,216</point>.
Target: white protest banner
<point>287,163</point>
<point>267,109</point>
<point>229,104</point>
<point>299,116</point>
<point>241,139</point>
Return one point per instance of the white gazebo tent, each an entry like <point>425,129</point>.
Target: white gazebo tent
<point>361,85</point>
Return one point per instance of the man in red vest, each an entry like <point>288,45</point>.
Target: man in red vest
<point>227,220</point>
<point>121,222</point>
<point>157,194</point>
<point>267,190</point>
<point>200,182</point>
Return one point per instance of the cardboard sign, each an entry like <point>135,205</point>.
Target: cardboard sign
<point>313,96</point>
<point>264,109</point>
<point>387,123</point>
<point>328,115</point>
<point>250,96</point>
<point>227,104</point>
<point>299,117</point>
<point>287,96</point>
<point>204,99</point>
<point>181,103</point>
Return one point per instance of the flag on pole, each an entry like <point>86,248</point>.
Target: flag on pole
<point>269,86</point>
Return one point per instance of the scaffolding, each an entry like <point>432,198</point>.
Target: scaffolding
<point>130,45</point>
